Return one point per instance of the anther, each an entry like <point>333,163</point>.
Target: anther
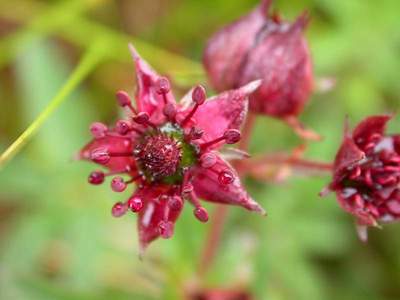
<point>226,177</point>
<point>143,118</point>
<point>96,177</point>
<point>135,204</point>
<point>175,203</point>
<point>201,214</point>
<point>98,130</point>
<point>125,101</point>
<point>198,97</point>
<point>162,86</point>
<point>122,127</point>
<point>118,184</point>
<point>232,136</point>
<point>119,209</point>
<point>169,111</point>
<point>187,189</point>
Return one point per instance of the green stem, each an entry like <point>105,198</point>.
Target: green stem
<point>92,57</point>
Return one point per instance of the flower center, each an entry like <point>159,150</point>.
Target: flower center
<point>159,155</point>
<point>162,154</point>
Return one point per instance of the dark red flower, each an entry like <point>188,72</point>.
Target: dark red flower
<point>170,150</point>
<point>366,175</point>
<point>259,46</point>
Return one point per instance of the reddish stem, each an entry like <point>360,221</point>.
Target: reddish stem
<point>220,213</point>
<point>213,239</point>
<point>285,159</point>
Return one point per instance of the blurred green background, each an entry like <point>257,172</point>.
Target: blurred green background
<point>57,237</point>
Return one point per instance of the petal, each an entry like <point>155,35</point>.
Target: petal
<point>153,212</point>
<point>348,155</point>
<point>207,186</point>
<point>147,99</point>
<point>226,50</point>
<point>224,111</point>
<point>363,217</point>
<point>113,145</point>
<point>396,142</point>
<point>368,127</point>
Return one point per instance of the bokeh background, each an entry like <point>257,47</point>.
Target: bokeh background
<point>57,237</point>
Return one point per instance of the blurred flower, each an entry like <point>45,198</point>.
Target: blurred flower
<point>366,175</point>
<point>259,46</point>
<point>170,150</point>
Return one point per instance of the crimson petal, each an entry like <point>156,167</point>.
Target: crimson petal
<point>208,187</point>
<point>112,144</point>
<point>147,99</point>
<point>154,211</point>
<point>368,127</point>
<point>224,111</point>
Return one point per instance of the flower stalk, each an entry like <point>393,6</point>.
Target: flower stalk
<point>89,61</point>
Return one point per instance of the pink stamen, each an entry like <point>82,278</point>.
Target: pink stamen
<point>201,214</point>
<point>98,130</point>
<point>186,187</point>
<point>170,111</point>
<point>122,127</point>
<point>163,87</point>
<point>135,204</point>
<point>198,97</point>
<point>231,136</point>
<point>143,118</point>
<point>210,143</point>
<point>119,209</point>
<point>125,101</point>
<point>175,203</point>
<point>96,177</point>
<point>118,184</point>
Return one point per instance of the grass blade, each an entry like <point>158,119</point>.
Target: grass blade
<point>92,57</point>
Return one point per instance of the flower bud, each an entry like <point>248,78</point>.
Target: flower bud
<point>258,46</point>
